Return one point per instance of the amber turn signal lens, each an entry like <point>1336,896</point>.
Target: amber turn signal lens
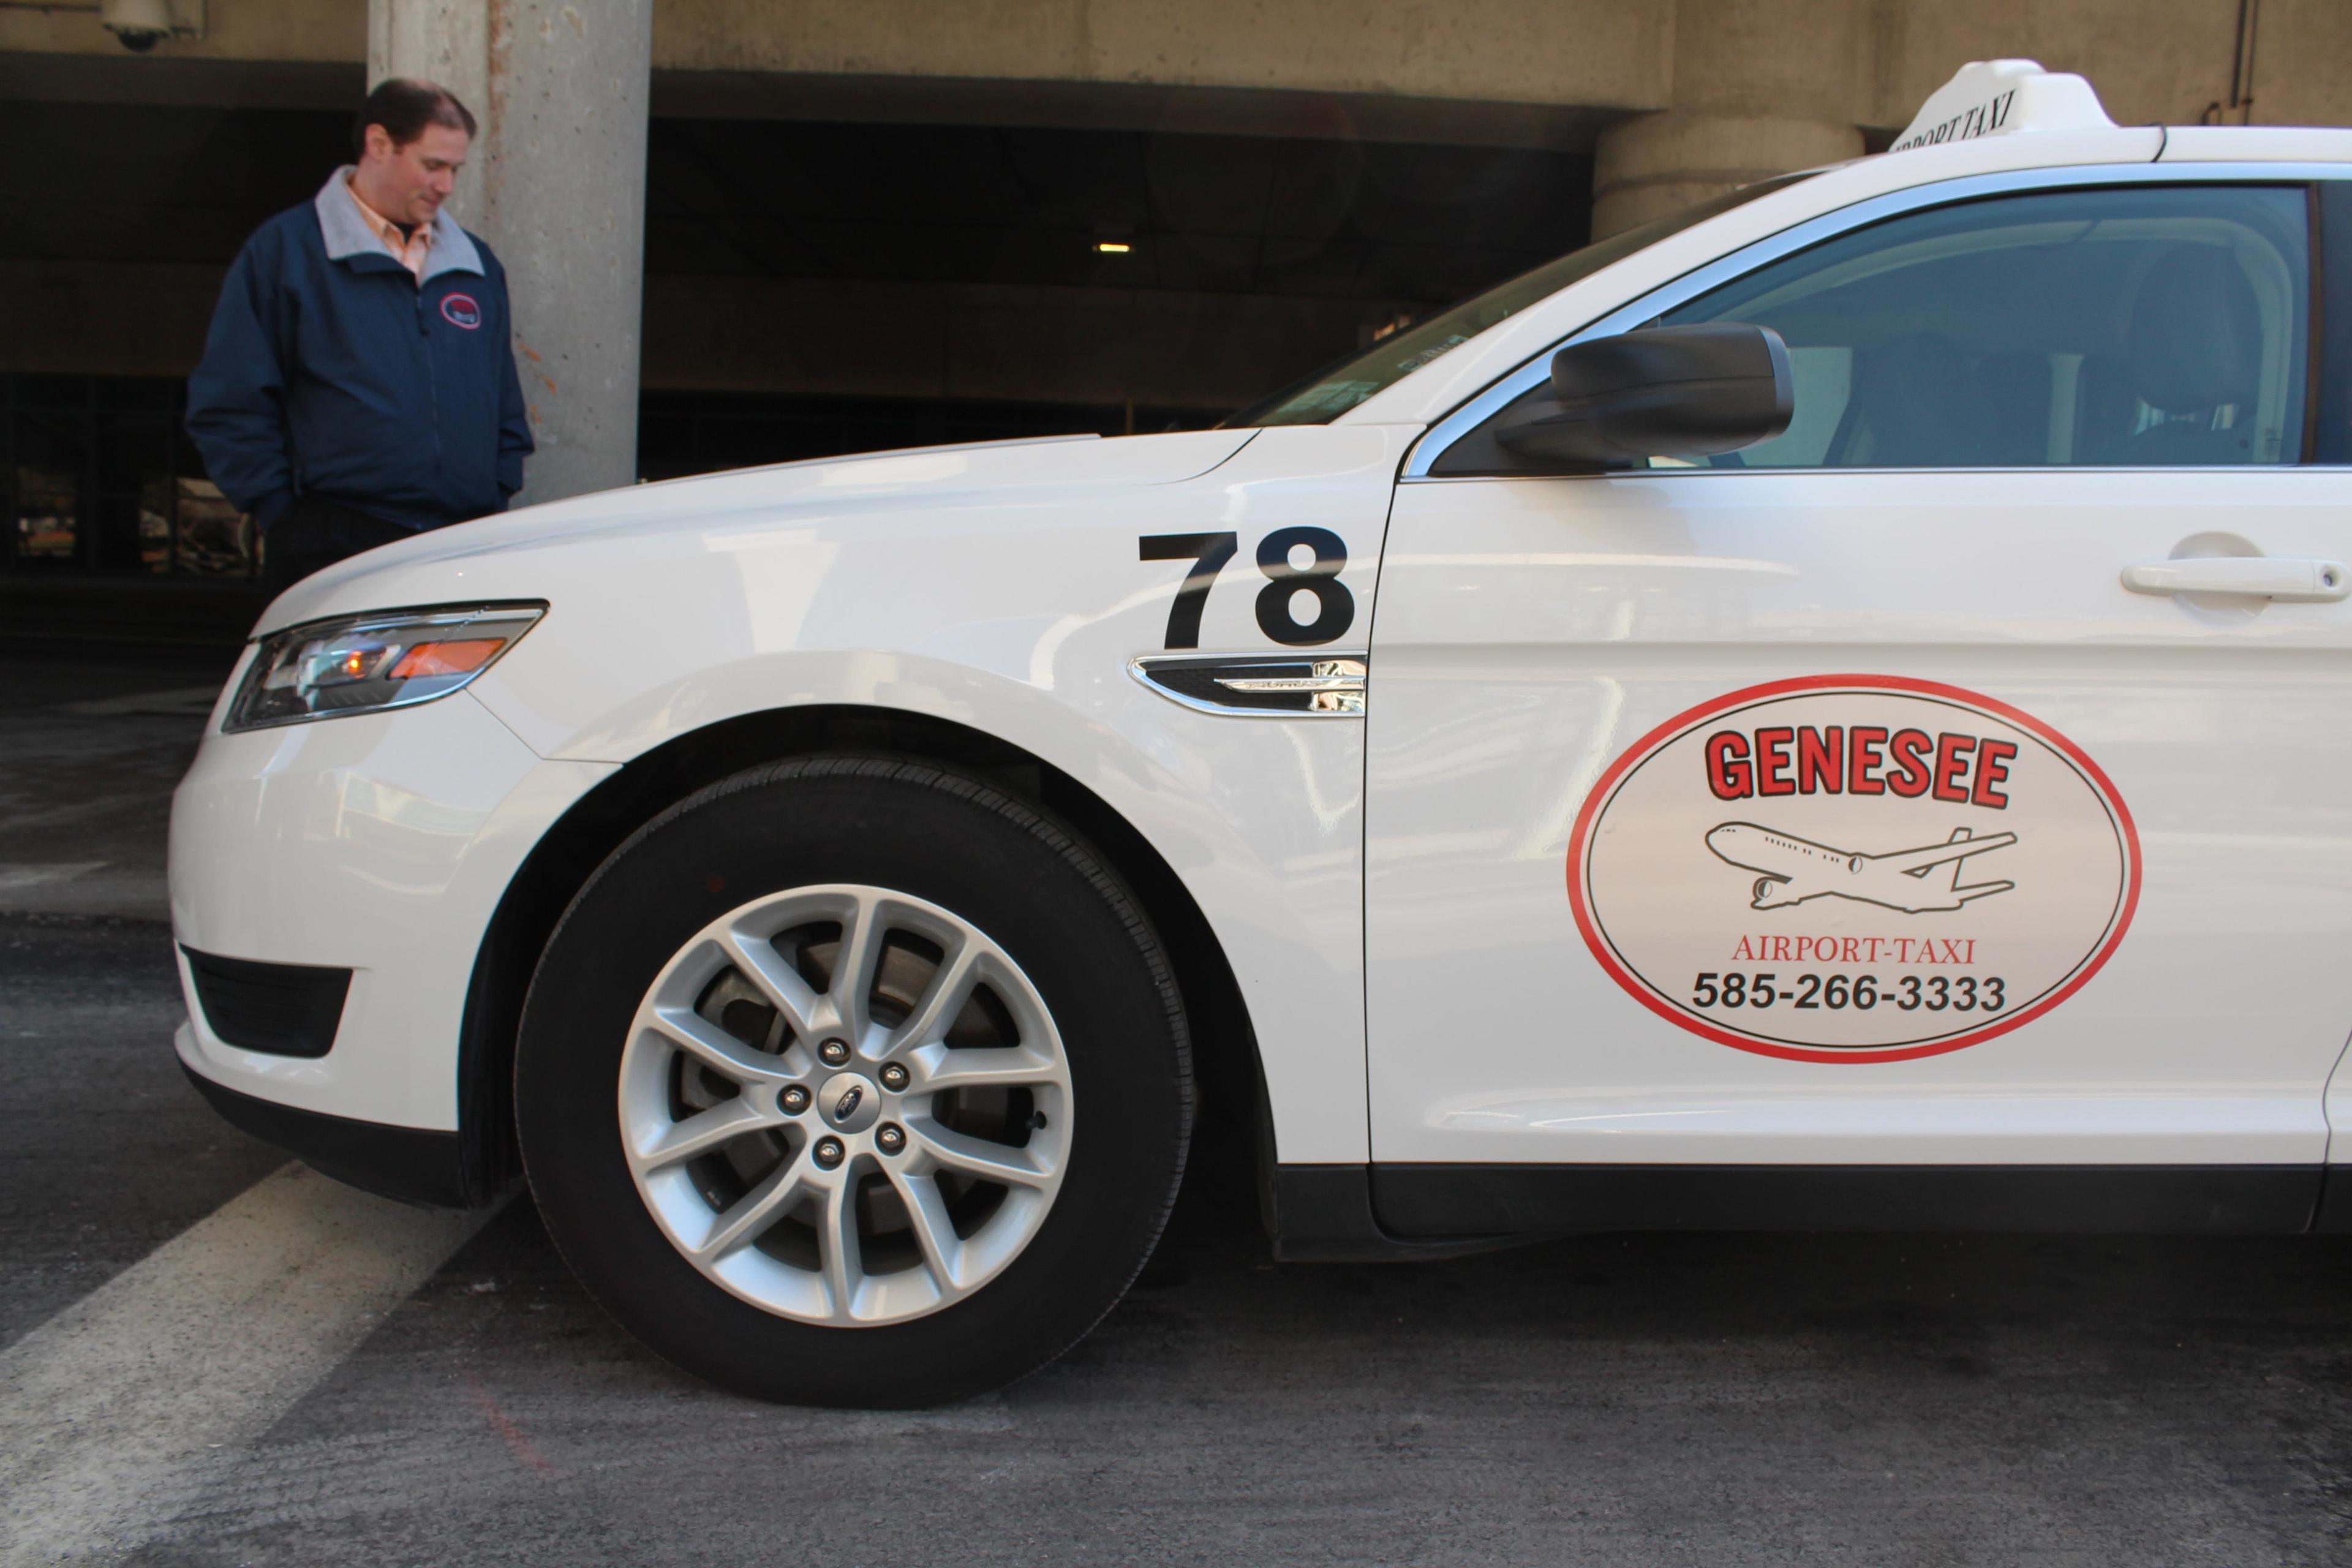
<point>446,657</point>
<point>349,665</point>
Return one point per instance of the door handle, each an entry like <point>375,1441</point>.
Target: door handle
<point>2264,576</point>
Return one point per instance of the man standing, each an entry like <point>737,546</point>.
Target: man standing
<point>358,380</point>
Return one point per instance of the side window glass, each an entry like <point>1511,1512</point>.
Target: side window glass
<point>2129,326</point>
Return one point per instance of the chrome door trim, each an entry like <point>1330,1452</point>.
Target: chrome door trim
<point>1316,684</point>
<point>1469,416</point>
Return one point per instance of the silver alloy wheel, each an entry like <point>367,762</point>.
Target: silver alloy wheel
<point>878,1187</point>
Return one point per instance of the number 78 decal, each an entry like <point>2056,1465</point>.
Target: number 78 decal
<point>1334,607</point>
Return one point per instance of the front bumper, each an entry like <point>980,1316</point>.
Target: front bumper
<point>430,1169</point>
<point>380,844</point>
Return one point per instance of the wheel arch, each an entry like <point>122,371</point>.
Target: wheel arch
<point>1232,1094</point>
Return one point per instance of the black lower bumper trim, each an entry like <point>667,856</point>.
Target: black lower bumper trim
<point>1363,1214</point>
<point>1323,1214</point>
<point>2335,1203</point>
<point>410,1164</point>
<point>1436,1201</point>
<point>285,1009</point>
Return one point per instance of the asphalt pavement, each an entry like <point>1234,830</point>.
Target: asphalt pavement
<point>1669,1400</point>
<point>91,741</point>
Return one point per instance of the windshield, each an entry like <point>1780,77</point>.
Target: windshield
<point>1341,386</point>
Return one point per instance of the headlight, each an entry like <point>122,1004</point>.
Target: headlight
<point>363,664</point>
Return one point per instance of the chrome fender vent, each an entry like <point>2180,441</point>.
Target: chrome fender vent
<point>1276,686</point>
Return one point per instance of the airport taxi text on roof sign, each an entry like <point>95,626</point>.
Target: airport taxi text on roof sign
<point>2003,97</point>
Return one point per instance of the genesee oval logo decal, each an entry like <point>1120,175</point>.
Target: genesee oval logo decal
<point>1853,868</point>
<point>461,311</point>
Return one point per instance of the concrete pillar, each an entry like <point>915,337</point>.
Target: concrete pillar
<point>556,183</point>
<point>1760,87</point>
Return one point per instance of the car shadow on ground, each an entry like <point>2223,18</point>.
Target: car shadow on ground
<point>1621,1399</point>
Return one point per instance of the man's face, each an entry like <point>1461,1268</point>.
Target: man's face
<point>408,184</point>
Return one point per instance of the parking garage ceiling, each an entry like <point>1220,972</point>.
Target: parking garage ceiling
<point>1249,215</point>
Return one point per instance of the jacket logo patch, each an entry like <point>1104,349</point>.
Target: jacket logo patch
<point>460,311</point>
<point>1852,868</point>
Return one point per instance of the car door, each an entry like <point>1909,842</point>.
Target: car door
<point>1956,780</point>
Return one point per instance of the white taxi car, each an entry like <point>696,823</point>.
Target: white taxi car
<point>1832,710</point>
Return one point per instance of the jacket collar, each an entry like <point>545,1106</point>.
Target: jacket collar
<point>347,233</point>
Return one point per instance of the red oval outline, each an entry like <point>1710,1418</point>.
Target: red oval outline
<point>1587,815</point>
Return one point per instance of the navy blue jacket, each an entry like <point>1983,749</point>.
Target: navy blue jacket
<point>330,369</point>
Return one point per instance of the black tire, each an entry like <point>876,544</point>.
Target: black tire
<point>943,837</point>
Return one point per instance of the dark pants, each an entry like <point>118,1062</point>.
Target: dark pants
<point>315,532</point>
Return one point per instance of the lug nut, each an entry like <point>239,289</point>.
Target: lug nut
<point>794,1100</point>
<point>894,1077</point>
<point>890,1138</point>
<point>833,1052</point>
<point>828,1153</point>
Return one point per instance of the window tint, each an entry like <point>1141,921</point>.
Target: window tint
<point>1341,386</point>
<point>2088,327</point>
<point>2333,436</point>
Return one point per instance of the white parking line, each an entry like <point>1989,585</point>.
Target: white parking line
<point>16,876</point>
<point>84,888</point>
<point>113,1408</point>
<point>179,702</point>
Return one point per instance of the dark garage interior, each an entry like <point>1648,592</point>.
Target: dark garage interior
<point>811,287</point>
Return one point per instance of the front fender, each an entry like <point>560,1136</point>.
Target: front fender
<point>1015,613</point>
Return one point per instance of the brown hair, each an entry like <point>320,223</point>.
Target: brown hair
<point>404,106</point>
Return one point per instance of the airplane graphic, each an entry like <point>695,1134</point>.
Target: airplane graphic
<point>1791,871</point>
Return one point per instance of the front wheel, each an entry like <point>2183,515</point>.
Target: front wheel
<point>853,1081</point>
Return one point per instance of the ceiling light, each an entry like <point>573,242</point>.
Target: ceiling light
<point>1112,247</point>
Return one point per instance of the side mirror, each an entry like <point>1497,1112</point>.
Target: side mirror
<point>1665,392</point>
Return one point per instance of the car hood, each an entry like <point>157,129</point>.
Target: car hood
<point>920,476</point>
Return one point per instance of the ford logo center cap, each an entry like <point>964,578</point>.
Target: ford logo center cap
<point>848,1103</point>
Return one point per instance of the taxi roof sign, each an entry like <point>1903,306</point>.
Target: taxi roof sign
<point>2003,97</point>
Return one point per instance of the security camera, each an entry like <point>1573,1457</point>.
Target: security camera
<point>138,24</point>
